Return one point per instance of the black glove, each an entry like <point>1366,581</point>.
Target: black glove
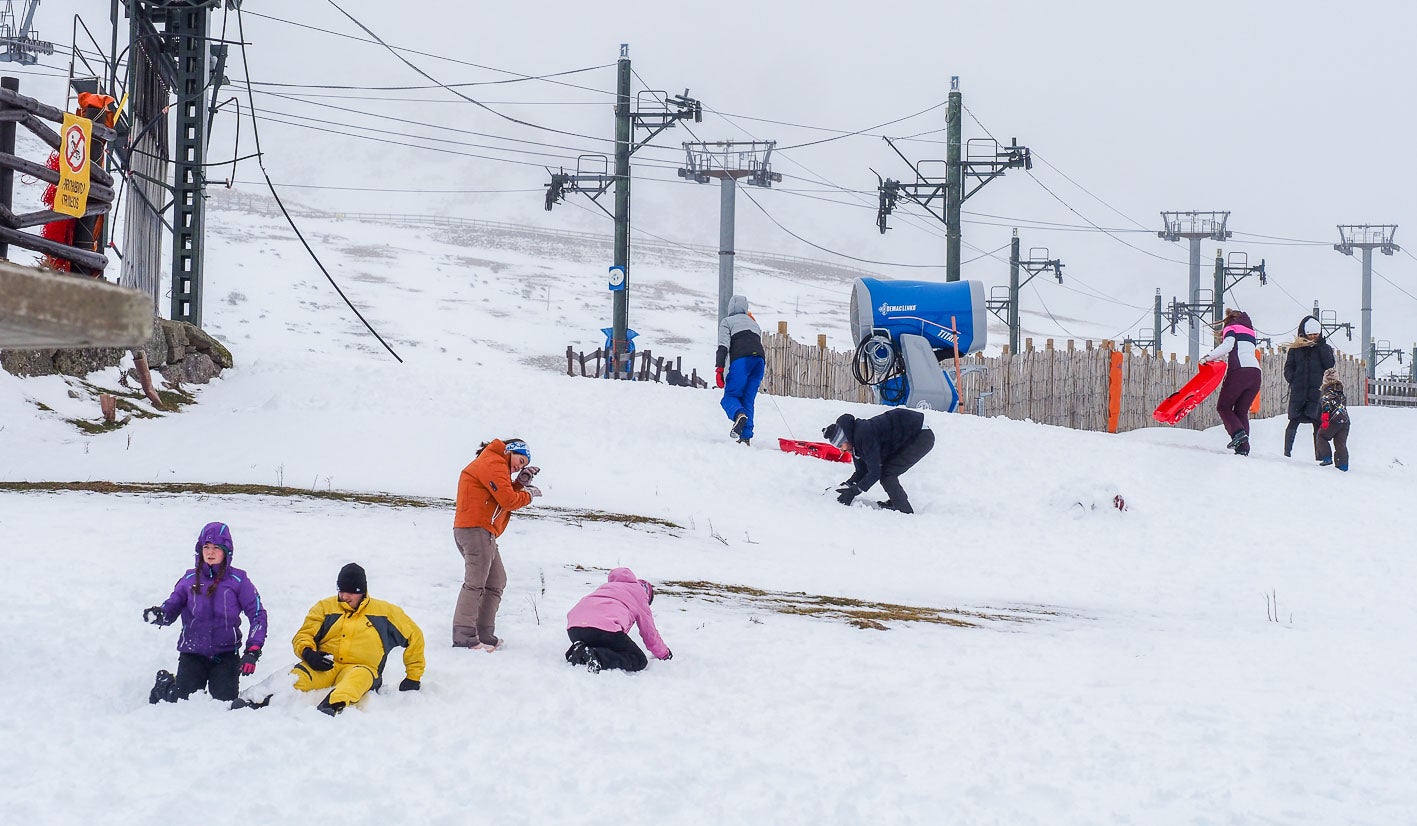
<point>409,685</point>
<point>248,662</point>
<point>528,473</point>
<point>846,493</point>
<point>318,660</point>
<point>155,616</point>
<point>669,656</point>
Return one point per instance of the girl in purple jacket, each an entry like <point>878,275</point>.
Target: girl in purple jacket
<point>210,600</point>
<point>597,625</point>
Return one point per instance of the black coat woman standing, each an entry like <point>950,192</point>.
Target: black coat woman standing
<point>1308,356</point>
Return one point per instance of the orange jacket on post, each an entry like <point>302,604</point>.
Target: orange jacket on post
<point>486,496</point>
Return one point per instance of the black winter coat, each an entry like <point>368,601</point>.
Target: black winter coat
<point>1304,370</point>
<point>875,440</point>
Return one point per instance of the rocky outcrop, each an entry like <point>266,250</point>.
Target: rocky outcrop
<point>179,351</point>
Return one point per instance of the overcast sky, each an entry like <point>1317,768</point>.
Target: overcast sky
<point>1294,116</point>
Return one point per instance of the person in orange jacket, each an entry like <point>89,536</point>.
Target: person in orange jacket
<point>493,485</point>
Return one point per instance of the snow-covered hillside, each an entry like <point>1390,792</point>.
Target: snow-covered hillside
<point>1072,663</point>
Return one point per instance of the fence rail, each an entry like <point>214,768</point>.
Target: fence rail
<point>652,368</point>
<point>1390,393</point>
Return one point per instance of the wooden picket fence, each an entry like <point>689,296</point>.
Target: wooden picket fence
<point>1072,386</point>
<point>651,367</point>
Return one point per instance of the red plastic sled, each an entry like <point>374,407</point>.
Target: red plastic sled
<point>821,450</point>
<point>1183,401</point>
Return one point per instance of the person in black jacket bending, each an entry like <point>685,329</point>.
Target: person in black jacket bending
<point>1308,356</point>
<point>882,447</point>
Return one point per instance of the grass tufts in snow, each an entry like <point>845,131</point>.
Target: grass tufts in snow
<point>392,500</point>
<point>860,613</point>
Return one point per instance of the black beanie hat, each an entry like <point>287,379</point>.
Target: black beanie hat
<point>351,580</point>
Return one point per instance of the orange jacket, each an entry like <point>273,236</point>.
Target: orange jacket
<point>486,495</point>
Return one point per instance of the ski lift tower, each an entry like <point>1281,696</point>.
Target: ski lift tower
<point>1367,237</point>
<point>19,40</point>
<point>171,55</point>
<point>728,161</point>
<point>1195,227</point>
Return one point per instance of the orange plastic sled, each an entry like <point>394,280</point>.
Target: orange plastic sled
<point>821,450</point>
<point>1183,401</point>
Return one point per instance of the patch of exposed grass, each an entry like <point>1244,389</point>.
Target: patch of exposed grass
<point>860,613</point>
<point>392,500</point>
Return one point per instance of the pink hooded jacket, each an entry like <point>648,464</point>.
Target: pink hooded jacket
<point>618,605</point>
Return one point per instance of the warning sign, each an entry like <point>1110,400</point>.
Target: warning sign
<point>72,197</point>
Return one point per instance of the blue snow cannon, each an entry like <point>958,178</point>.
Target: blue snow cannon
<point>904,329</point>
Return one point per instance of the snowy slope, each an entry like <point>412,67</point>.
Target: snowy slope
<point>1122,668</point>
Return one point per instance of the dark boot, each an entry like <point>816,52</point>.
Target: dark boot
<point>1235,440</point>
<point>242,702</point>
<point>328,707</point>
<point>1241,443</point>
<point>739,425</point>
<point>1289,433</point>
<point>162,688</point>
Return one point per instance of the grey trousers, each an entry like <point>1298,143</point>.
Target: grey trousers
<point>484,578</point>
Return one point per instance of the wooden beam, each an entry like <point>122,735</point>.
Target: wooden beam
<point>45,309</point>
<point>49,113</point>
<point>45,216</point>
<point>88,258</point>
<point>97,191</point>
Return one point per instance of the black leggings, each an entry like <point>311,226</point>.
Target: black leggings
<point>614,649</point>
<point>218,675</point>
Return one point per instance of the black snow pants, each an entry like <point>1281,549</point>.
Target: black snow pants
<point>899,462</point>
<point>614,649</point>
<point>1293,430</point>
<point>218,675</point>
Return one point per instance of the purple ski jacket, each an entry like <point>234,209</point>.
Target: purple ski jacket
<point>619,604</point>
<point>211,623</point>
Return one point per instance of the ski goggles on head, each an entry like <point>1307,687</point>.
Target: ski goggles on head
<point>518,446</point>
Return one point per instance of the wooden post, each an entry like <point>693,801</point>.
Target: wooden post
<point>1028,344</point>
<point>782,328</point>
<point>108,403</point>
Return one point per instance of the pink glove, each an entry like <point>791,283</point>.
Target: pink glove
<point>248,662</point>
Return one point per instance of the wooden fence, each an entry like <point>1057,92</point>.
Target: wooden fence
<point>652,367</point>
<point>808,372</point>
<point>1392,393</point>
<point>1072,386</point>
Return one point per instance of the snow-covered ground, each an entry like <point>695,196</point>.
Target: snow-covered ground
<point>1122,666</point>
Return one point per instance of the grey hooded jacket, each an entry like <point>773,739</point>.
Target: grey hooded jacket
<point>738,334</point>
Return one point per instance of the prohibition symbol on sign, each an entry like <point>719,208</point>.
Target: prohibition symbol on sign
<point>76,149</point>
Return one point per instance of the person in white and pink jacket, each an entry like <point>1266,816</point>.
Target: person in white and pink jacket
<point>599,623</point>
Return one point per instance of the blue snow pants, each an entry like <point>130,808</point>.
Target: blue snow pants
<point>740,389</point>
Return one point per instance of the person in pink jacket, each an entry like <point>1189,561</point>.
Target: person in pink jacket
<point>597,625</point>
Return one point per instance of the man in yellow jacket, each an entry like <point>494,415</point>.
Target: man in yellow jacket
<point>345,640</point>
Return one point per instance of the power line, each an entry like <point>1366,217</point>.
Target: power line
<point>395,52</point>
<point>260,160</point>
<point>518,75</point>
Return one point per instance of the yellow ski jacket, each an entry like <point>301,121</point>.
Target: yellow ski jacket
<point>363,636</point>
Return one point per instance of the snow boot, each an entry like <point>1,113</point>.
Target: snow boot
<point>330,708</point>
<point>162,688</point>
<point>242,702</point>
<point>745,442</point>
<point>592,662</point>
<point>1343,468</point>
<point>576,654</point>
<point>739,424</point>
<point>1325,462</point>
<point>1235,440</point>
